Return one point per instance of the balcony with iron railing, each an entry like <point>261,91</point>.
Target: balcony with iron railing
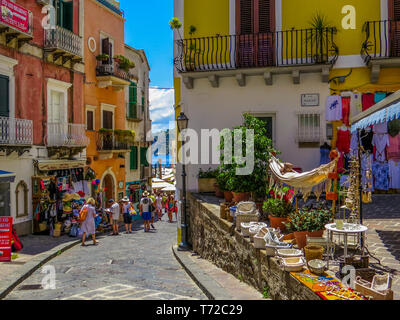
<point>16,132</point>
<point>16,22</point>
<point>114,141</point>
<point>382,40</point>
<point>302,47</point>
<point>63,43</point>
<point>69,135</point>
<point>110,74</point>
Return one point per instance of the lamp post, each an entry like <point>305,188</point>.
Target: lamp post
<point>182,121</point>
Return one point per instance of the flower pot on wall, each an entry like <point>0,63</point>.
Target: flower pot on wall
<point>228,196</point>
<point>241,196</point>
<point>277,222</point>
<point>301,238</point>
<point>206,185</point>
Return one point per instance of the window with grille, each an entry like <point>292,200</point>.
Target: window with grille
<point>396,10</point>
<point>309,128</point>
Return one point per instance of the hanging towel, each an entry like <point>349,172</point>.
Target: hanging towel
<point>379,96</point>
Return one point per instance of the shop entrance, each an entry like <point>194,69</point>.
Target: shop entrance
<point>5,200</point>
<point>108,184</point>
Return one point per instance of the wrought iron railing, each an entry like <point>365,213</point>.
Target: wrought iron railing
<point>382,40</point>
<point>15,132</point>
<point>281,48</point>
<point>110,140</point>
<point>63,39</point>
<point>66,135</point>
<point>105,68</point>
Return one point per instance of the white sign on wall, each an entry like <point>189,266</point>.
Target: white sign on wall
<point>310,100</point>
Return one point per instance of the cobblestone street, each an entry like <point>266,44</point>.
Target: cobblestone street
<point>130,266</point>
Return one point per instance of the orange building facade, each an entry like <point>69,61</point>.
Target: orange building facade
<point>104,97</point>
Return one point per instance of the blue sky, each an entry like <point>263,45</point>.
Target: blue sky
<point>147,28</point>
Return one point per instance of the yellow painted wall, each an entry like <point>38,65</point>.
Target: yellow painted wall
<point>297,14</point>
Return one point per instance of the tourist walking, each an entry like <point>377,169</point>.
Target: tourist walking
<point>170,207</point>
<point>159,205</point>
<point>115,210</point>
<point>153,211</point>
<point>145,208</point>
<point>87,215</point>
<point>126,209</point>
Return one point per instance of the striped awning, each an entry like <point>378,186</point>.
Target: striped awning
<point>6,176</point>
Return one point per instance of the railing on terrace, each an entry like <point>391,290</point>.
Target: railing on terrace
<point>382,40</point>
<point>111,69</point>
<point>109,141</point>
<point>280,48</point>
<point>63,39</point>
<point>66,135</point>
<point>16,132</point>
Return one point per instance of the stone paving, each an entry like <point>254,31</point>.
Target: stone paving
<point>129,266</point>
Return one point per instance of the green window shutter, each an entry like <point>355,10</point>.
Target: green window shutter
<point>134,158</point>
<point>143,157</point>
<point>142,104</point>
<point>4,96</point>
<point>134,93</point>
<point>132,102</point>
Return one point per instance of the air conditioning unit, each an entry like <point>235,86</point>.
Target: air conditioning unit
<point>44,2</point>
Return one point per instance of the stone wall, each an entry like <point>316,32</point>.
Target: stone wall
<point>216,240</point>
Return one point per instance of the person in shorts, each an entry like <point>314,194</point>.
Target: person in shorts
<point>146,210</point>
<point>126,206</point>
<point>115,210</point>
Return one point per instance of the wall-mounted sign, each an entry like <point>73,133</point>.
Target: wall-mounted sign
<point>310,100</point>
<point>5,238</point>
<point>14,16</point>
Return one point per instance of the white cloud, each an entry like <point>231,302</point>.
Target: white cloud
<point>161,108</point>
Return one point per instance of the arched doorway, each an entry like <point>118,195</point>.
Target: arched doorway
<point>109,185</point>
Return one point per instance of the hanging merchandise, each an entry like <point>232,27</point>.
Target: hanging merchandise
<point>393,150</point>
<point>368,100</point>
<point>379,96</point>
<point>356,104</point>
<point>343,139</point>
<point>381,128</point>
<point>394,174</point>
<point>380,171</point>
<point>334,108</point>
<point>380,142</point>
<point>366,172</point>
<point>346,101</point>
<point>325,149</point>
<point>354,145</point>
<point>366,140</point>
<point>394,127</point>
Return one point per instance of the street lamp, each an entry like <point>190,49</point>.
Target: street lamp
<point>182,121</point>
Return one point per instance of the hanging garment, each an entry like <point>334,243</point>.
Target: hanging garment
<point>52,190</point>
<point>334,108</point>
<point>366,140</point>
<point>343,140</point>
<point>380,141</point>
<point>340,164</point>
<point>381,128</point>
<point>368,100</point>
<point>394,174</point>
<point>379,96</point>
<point>393,150</point>
<point>356,104</point>
<point>85,187</point>
<point>354,145</point>
<point>324,151</point>
<point>394,127</point>
<point>346,110</point>
<point>366,165</point>
<point>380,171</point>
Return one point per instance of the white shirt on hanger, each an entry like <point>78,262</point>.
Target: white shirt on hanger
<point>334,108</point>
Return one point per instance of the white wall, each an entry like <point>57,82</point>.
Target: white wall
<point>223,107</point>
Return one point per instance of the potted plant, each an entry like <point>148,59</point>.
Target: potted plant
<point>222,181</point>
<point>299,222</point>
<point>319,219</point>
<point>103,57</point>
<point>279,207</point>
<point>207,180</point>
<point>124,63</point>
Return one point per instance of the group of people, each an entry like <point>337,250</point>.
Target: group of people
<point>149,207</point>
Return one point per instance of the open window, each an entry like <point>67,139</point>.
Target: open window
<point>65,14</point>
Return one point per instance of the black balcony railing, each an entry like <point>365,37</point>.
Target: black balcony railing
<point>382,40</point>
<point>110,140</point>
<point>281,48</point>
<point>112,69</point>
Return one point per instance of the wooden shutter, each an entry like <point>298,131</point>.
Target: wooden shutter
<point>265,16</point>
<point>107,49</point>
<point>4,96</point>
<point>89,120</point>
<point>134,158</point>
<point>244,18</point>
<point>143,157</point>
<point>396,10</point>
<point>107,120</point>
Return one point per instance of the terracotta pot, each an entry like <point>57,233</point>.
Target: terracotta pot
<point>241,196</point>
<point>277,222</point>
<point>301,238</point>
<point>218,192</point>
<point>316,234</point>
<point>289,236</point>
<point>228,196</point>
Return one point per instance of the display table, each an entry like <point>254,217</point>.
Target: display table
<point>348,229</point>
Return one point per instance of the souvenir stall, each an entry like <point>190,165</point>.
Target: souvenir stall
<point>59,189</point>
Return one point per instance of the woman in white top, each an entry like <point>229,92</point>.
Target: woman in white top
<point>88,225</point>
